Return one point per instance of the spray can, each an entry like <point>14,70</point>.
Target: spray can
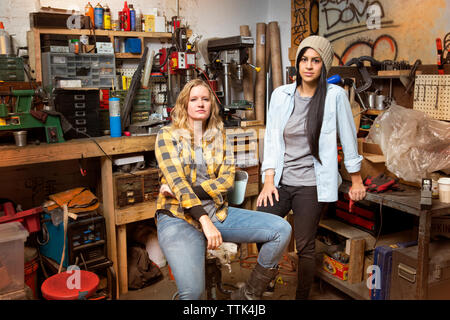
<point>107,18</point>
<point>114,117</point>
<point>89,12</point>
<point>5,41</point>
<point>121,20</point>
<point>126,17</point>
<point>138,20</point>
<point>132,18</point>
<point>98,16</point>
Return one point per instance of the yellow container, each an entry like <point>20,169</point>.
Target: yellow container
<point>149,23</point>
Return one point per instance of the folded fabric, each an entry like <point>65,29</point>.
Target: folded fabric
<point>77,200</point>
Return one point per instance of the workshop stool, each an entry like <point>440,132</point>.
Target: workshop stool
<point>56,287</point>
<point>213,265</point>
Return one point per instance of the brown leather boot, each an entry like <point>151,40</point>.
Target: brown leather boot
<point>256,284</point>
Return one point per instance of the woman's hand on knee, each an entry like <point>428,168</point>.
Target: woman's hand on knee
<point>213,236</point>
<point>267,193</point>
<point>165,191</point>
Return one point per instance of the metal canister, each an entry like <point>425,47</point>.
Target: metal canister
<point>114,117</point>
<point>379,99</point>
<point>371,98</point>
<point>107,18</point>
<point>98,16</point>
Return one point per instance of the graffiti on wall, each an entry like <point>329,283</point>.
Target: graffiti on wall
<point>384,47</point>
<point>305,19</point>
<point>348,18</point>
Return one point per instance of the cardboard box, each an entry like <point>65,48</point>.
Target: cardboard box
<point>104,47</point>
<point>373,163</point>
<point>336,268</point>
<point>160,24</point>
<point>149,23</point>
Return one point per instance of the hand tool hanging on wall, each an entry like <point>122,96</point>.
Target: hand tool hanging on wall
<point>134,86</point>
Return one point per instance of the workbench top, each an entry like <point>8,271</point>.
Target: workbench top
<point>12,155</point>
<point>407,200</point>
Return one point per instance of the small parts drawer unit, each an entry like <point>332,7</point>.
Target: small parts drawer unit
<point>81,110</point>
<point>137,187</point>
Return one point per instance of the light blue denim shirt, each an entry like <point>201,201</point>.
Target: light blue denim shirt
<point>337,119</point>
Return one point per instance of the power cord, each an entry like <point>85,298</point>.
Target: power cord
<point>381,225</point>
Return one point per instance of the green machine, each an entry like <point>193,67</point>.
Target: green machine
<point>21,118</point>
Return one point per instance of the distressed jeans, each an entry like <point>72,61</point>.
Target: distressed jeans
<point>185,247</point>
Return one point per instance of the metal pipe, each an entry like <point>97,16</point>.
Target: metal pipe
<point>226,84</point>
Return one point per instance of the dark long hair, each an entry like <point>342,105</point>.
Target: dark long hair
<point>315,106</point>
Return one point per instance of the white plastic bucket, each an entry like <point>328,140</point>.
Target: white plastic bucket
<point>237,194</point>
<point>444,190</point>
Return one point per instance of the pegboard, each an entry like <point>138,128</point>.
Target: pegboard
<point>432,95</point>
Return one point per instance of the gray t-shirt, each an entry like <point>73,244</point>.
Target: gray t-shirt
<point>298,161</point>
<point>202,175</point>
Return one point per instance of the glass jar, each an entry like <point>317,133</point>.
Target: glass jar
<point>74,46</point>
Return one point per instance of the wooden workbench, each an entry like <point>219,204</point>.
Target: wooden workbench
<point>407,201</point>
<point>116,219</point>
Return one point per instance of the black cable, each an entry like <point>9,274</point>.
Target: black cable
<point>98,145</point>
<point>381,224</point>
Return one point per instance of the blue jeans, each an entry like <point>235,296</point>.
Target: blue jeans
<point>184,246</point>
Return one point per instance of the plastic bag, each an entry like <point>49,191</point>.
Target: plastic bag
<point>413,144</point>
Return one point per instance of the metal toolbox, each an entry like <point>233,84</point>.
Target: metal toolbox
<point>404,272</point>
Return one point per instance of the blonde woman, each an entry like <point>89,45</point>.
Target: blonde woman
<point>192,210</point>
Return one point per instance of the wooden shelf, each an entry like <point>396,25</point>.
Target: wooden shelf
<point>127,55</point>
<point>34,42</point>
<point>109,33</point>
<point>374,112</point>
<point>139,211</point>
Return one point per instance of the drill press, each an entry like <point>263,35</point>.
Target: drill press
<point>21,118</point>
<point>223,54</point>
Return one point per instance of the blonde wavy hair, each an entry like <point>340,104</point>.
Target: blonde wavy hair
<point>179,113</point>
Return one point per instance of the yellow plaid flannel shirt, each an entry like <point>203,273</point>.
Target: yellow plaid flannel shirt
<point>176,159</point>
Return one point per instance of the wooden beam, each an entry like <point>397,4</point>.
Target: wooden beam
<point>108,212</point>
<point>122,258</point>
<point>356,264</point>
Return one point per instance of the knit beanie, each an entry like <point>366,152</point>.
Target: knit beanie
<point>322,46</point>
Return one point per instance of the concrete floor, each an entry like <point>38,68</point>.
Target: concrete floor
<point>284,288</point>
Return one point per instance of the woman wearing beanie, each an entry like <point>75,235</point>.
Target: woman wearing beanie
<point>300,168</point>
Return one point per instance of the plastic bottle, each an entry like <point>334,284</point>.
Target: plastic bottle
<point>126,18</point>
<point>5,41</point>
<point>98,16</point>
<point>89,12</point>
<point>107,18</point>
<point>114,117</point>
<point>132,18</point>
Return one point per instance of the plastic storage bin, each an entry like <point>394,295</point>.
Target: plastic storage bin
<point>12,238</point>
